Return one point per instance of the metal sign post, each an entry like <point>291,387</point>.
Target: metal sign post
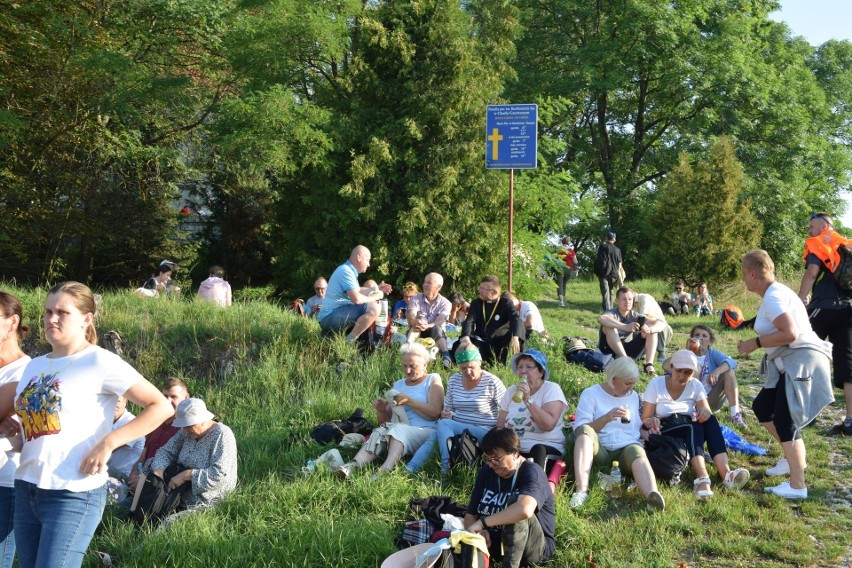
<point>511,142</point>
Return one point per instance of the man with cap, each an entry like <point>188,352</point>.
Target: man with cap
<point>346,302</point>
<point>428,313</point>
<point>206,449</point>
<point>608,268</point>
<point>830,307</point>
<point>625,333</point>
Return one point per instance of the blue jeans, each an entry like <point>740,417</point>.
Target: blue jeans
<point>7,527</point>
<point>53,527</point>
<point>446,429</point>
<point>342,317</point>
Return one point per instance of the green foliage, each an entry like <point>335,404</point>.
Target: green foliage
<point>706,225</point>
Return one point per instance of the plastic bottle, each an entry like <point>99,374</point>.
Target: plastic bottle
<point>309,468</point>
<point>615,474</point>
<point>518,395</point>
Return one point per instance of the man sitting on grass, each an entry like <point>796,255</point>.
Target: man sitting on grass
<point>625,333</point>
<point>428,313</point>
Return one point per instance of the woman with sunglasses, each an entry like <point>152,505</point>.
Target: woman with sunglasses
<point>533,408</point>
<point>606,430</point>
<point>676,405</point>
<point>511,505</point>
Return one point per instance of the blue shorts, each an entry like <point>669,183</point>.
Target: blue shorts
<point>342,317</point>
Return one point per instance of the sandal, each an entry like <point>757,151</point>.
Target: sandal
<point>702,493</point>
<point>653,370</point>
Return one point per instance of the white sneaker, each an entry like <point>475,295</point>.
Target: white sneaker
<point>345,470</point>
<point>736,478</point>
<point>784,490</point>
<point>577,499</point>
<point>655,501</point>
<point>780,468</point>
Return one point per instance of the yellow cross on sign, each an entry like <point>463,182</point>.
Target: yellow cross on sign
<point>494,138</point>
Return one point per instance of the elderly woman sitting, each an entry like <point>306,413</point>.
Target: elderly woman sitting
<point>670,402</point>
<point>207,452</point>
<point>472,403</point>
<point>534,408</point>
<point>511,504</point>
<point>421,396</point>
<point>607,429</point>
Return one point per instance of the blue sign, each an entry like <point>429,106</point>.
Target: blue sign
<point>511,137</point>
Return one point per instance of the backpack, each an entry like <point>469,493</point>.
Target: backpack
<point>602,265</point>
<point>668,457</point>
<point>732,317</point>
<point>464,449</point>
<point>334,430</point>
<point>155,501</point>
<point>843,273</point>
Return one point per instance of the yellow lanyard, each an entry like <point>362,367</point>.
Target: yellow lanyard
<point>487,321</point>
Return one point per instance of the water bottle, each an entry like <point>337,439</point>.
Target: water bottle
<point>615,474</point>
<point>309,468</point>
<point>518,396</point>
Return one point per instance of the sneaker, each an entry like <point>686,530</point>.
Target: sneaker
<point>737,420</point>
<point>578,498</point>
<point>345,470</point>
<point>784,490</point>
<point>735,479</point>
<point>447,362</point>
<point>561,304</point>
<point>655,501</point>
<point>780,468</point>
<point>842,429</point>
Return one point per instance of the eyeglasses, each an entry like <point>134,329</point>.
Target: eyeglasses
<point>495,461</point>
<point>526,367</point>
<point>319,289</point>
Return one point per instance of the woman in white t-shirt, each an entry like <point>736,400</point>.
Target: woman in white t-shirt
<point>606,429</point>
<point>12,363</point>
<point>676,405</point>
<point>536,414</point>
<point>66,401</point>
<point>782,321</point>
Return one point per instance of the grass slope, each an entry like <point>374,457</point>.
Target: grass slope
<point>283,382</point>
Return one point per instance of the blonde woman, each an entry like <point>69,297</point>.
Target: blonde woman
<point>607,429</point>
<point>66,401</point>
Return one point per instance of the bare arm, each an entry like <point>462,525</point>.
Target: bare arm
<point>648,417</point>
<point>784,334</point>
<point>520,510</point>
<point>546,417</point>
<point>431,409</point>
<point>808,279</point>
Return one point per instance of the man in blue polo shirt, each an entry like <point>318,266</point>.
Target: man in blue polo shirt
<point>346,302</point>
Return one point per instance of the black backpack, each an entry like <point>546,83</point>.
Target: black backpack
<point>156,501</point>
<point>843,273</point>
<point>334,430</point>
<point>464,449</point>
<point>602,265</point>
<point>668,457</point>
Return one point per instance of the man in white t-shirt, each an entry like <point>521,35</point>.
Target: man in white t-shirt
<point>625,333</point>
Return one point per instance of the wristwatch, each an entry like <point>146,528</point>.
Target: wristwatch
<point>482,520</point>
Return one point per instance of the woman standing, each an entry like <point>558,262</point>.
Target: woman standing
<point>66,400</point>
<point>785,407</point>
<point>12,363</point>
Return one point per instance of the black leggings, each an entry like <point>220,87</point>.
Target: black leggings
<point>770,405</point>
<point>696,433</point>
<point>540,454</point>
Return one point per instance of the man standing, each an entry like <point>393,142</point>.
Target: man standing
<point>346,302</point>
<point>607,268</point>
<point>314,303</point>
<point>626,333</point>
<point>569,261</point>
<point>428,313</point>
<point>830,307</point>
<point>492,324</point>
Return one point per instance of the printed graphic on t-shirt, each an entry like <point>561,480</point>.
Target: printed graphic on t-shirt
<point>523,424</point>
<point>39,405</point>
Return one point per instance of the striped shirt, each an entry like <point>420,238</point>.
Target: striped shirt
<point>478,406</point>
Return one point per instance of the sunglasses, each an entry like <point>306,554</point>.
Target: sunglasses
<point>821,216</point>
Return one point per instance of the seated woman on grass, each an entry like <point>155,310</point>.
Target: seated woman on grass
<point>421,395</point>
<point>511,504</point>
<point>607,429</point>
<point>717,372</point>
<point>702,301</point>
<point>669,404</point>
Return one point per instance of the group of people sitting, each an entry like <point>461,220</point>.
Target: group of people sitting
<point>214,288</point>
<point>684,302</point>
<point>497,323</point>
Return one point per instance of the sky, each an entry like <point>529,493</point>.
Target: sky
<point>819,21</point>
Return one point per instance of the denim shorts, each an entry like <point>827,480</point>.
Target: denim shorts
<point>342,317</point>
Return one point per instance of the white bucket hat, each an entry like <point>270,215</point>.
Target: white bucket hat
<point>190,412</point>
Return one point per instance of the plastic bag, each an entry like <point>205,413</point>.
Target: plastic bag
<point>736,443</point>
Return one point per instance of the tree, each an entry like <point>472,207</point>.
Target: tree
<point>704,223</point>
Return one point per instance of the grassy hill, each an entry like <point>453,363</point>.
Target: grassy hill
<point>267,374</point>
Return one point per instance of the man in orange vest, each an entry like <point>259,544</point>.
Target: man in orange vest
<point>830,308</point>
